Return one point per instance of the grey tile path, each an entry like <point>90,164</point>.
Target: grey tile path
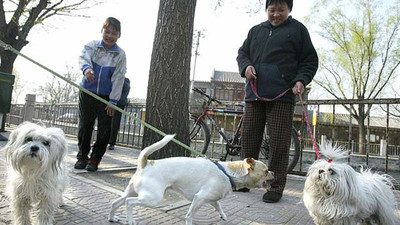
<point>88,201</point>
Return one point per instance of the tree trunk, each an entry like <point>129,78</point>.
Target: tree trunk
<point>361,128</point>
<point>167,104</point>
<point>7,61</point>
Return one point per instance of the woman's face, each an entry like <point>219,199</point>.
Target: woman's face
<point>278,13</point>
<point>110,36</point>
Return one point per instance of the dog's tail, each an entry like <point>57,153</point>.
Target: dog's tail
<point>333,152</point>
<point>144,154</point>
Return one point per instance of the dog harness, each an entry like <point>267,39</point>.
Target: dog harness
<point>223,170</point>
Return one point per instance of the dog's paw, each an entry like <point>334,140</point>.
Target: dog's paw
<point>113,219</point>
<point>61,204</point>
<point>132,222</point>
<point>223,217</point>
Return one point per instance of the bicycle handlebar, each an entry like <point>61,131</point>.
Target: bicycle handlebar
<point>204,94</point>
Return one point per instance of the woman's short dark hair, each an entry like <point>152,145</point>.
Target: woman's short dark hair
<point>113,22</point>
<point>288,2</point>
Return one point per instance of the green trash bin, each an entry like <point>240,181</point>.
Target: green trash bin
<point>6,87</point>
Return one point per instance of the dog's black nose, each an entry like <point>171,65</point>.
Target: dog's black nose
<point>321,171</point>
<point>34,148</point>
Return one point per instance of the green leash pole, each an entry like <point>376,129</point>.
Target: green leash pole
<point>10,48</point>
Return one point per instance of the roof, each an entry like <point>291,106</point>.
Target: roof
<point>225,76</point>
<point>344,119</point>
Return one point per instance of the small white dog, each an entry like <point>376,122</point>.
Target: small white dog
<point>334,193</point>
<point>197,179</point>
<point>36,174</point>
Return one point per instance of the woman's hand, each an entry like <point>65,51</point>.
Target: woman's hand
<point>250,73</point>
<point>89,75</point>
<point>110,111</point>
<point>298,88</point>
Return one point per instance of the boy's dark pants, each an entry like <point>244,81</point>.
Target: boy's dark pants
<point>116,120</point>
<point>279,117</point>
<point>90,109</point>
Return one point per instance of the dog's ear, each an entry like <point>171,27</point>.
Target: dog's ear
<point>11,140</point>
<point>238,168</point>
<point>58,138</point>
<point>59,145</point>
<point>352,187</point>
<point>250,162</point>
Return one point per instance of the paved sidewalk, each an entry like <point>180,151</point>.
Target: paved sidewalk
<point>88,201</point>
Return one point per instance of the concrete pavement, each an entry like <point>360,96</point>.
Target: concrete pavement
<point>87,201</point>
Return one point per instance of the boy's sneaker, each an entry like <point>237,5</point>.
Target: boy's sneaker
<point>92,165</point>
<point>242,190</point>
<point>111,147</point>
<point>81,164</point>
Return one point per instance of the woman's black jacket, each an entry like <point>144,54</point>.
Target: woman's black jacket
<point>282,56</point>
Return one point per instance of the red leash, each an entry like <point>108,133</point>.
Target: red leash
<point>254,88</point>
<point>309,128</point>
<point>253,84</point>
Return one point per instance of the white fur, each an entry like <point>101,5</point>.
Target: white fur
<point>36,175</point>
<point>334,193</point>
<point>197,179</point>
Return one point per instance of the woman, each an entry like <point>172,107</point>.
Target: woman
<point>276,56</point>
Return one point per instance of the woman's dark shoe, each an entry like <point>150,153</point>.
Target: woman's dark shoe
<point>272,197</point>
<point>111,147</point>
<point>92,165</point>
<point>81,164</point>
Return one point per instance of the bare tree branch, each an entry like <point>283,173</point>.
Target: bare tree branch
<point>28,13</point>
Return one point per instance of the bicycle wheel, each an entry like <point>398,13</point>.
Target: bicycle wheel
<point>199,135</point>
<point>293,155</point>
<point>264,150</point>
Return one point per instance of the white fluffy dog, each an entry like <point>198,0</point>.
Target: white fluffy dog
<point>335,193</point>
<point>199,180</point>
<point>36,175</point>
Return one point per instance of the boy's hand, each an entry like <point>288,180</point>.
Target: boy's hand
<point>89,75</point>
<point>110,111</point>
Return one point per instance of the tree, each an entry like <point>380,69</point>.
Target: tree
<point>18,87</point>
<point>362,54</point>
<point>58,91</point>
<point>24,15</point>
<point>167,105</point>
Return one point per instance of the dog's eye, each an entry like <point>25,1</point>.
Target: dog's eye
<point>29,139</point>
<point>331,171</point>
<point>46,143</point>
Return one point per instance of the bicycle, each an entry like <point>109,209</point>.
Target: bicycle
<point>200,133</point>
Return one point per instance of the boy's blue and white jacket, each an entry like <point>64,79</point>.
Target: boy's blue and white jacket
<point>109,68</point>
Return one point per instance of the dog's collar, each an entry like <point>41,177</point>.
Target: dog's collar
<point>223,170</point>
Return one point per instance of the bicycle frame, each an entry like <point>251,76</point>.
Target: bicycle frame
<point>233,146</point>
<point>220,131</point>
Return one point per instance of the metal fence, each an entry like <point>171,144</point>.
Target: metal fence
<point>343,132</point>
<point>66,117</point>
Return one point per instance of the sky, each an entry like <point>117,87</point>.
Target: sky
<point>59,43</point>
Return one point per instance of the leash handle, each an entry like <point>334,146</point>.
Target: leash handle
<point>253,84</point>
<point>309,128</point>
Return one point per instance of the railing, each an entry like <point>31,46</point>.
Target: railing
<point>66,116</point>
<point>341,131</point>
